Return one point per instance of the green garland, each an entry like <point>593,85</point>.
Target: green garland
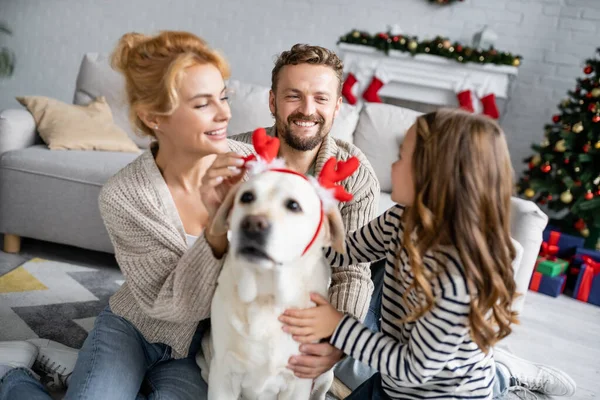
<point>440,46</point>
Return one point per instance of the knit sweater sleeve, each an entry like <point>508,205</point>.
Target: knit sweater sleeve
<point>351,285</point>
<point>168,281</point>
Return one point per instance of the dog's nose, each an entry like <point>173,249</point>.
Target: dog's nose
<point>255,225</point>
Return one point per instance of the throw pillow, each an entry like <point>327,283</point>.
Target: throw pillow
<point>65,126</point>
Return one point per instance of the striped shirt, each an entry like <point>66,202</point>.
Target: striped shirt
<point>433,357</point>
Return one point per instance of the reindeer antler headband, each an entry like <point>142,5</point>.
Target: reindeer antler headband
<point>326,184</point>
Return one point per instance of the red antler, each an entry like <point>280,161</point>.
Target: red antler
<point>335,171</point>
<point>265,146</point>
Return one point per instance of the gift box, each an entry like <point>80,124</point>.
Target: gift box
<point>551,268</point>
<point>587,287</point>
<point>558,244</point>
<point>548,285</point>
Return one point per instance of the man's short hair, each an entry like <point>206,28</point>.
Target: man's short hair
<point>305,54</point>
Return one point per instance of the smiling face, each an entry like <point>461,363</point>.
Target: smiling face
<point>305,104</point>
<point>275,215</point>
<point>199,124</point>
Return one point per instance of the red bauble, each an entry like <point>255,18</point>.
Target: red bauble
<point>396,39</point>
<point>531,165</point>
<point>546,168</point>
<point>459,48</point>
<point>596,118</point>
<point>586,147</point>
<point>567,160</point>
<point>383,35</point>
<point>592,107</point>
<point>550,197</point>
<point>580,224</point>
<point>589,196</point>
<point>588,69</point>
<point>577,183</point>
<point>556,118</point>
<point>589,95</point>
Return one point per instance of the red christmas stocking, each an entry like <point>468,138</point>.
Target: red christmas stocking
<point>490,108</point>
<point>465,100</point>
<point>379,80</point>
<point>347,88</point>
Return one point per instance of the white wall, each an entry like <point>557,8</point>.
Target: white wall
<point>554,36</point>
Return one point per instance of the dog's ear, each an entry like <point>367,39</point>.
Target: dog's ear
<point>335,232</point>
<point>220,223</point>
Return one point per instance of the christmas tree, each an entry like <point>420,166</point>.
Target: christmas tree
<point>564,175</point>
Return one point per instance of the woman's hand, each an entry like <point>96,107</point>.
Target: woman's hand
<point>225,171</point>
<point>311,324</point>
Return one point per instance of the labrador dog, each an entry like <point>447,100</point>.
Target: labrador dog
<point>277,228</point>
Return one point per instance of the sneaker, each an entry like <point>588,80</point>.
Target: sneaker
<point>16,354</point>
<point>535,377</point>
<point>54,360</point>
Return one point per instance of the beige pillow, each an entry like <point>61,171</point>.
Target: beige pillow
<point>65,126</point>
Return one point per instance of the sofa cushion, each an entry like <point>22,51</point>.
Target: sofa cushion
<point>380,130</point>
<point>91,167</point>
<point>65,126</point>
<point>250,109</point>
<point>97,78</point>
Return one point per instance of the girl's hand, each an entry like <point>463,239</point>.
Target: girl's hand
<point>225,171</point>
<point>311,324</point>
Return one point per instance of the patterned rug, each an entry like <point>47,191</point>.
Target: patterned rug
<point>53,300</point>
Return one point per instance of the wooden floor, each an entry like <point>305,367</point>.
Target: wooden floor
<point>561,332</point>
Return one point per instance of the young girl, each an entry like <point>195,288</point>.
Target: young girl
<point>448,283</point>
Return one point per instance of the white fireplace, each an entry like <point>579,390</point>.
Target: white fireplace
<point>427,80</point>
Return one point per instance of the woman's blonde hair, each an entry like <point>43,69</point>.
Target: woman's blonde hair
<point>153,67</point>
<point>463,186</point>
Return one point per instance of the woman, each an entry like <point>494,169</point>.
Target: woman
<point>144,343</point>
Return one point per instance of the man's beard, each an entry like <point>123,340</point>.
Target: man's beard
<point>284,130</point>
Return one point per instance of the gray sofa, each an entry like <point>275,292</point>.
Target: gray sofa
<point>52,195</point>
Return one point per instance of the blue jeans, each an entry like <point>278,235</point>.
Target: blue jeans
<point>350,371</point>
<point>361,378</point>
<point>116,362</point>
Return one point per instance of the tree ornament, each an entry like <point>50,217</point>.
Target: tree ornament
<point>546,168</point>
<point>446,43</point>
<point>550,197</point>
<point>597,145</point>
<point>516,62</point>
<point>577,169</point>
<point>565,102</point>
<point>592,107</point>
<point>529,193</point>
<point>588,69</point>
<point>536,160</point>
<point>566,197</point>
<point>596,92</point>
<point>567,160</point>
<point>356,34</point>
<point>556,118</point>
<point>580,224</point>
<point>560,146</point>
<point>545,143</point>
<point>578,127</point>
<point>585,232</point>
<point>596,118</point>
<point>589,195</point>
<point>412,45</point>
<point>586,147</point>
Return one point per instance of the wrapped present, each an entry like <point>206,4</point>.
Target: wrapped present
<point>548,285</point>
<point>558,244</point>
<point>587,288</point>
<point>551,267</point>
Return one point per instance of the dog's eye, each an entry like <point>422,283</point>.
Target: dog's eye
<point>247,197</point>
<point>293,205</point>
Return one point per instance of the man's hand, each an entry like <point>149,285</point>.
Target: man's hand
<point>315,360</point>
<point>307,327</point>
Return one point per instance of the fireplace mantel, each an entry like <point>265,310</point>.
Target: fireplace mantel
<point>426,78</point>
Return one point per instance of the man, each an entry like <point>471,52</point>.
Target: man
<point>305,98</point>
